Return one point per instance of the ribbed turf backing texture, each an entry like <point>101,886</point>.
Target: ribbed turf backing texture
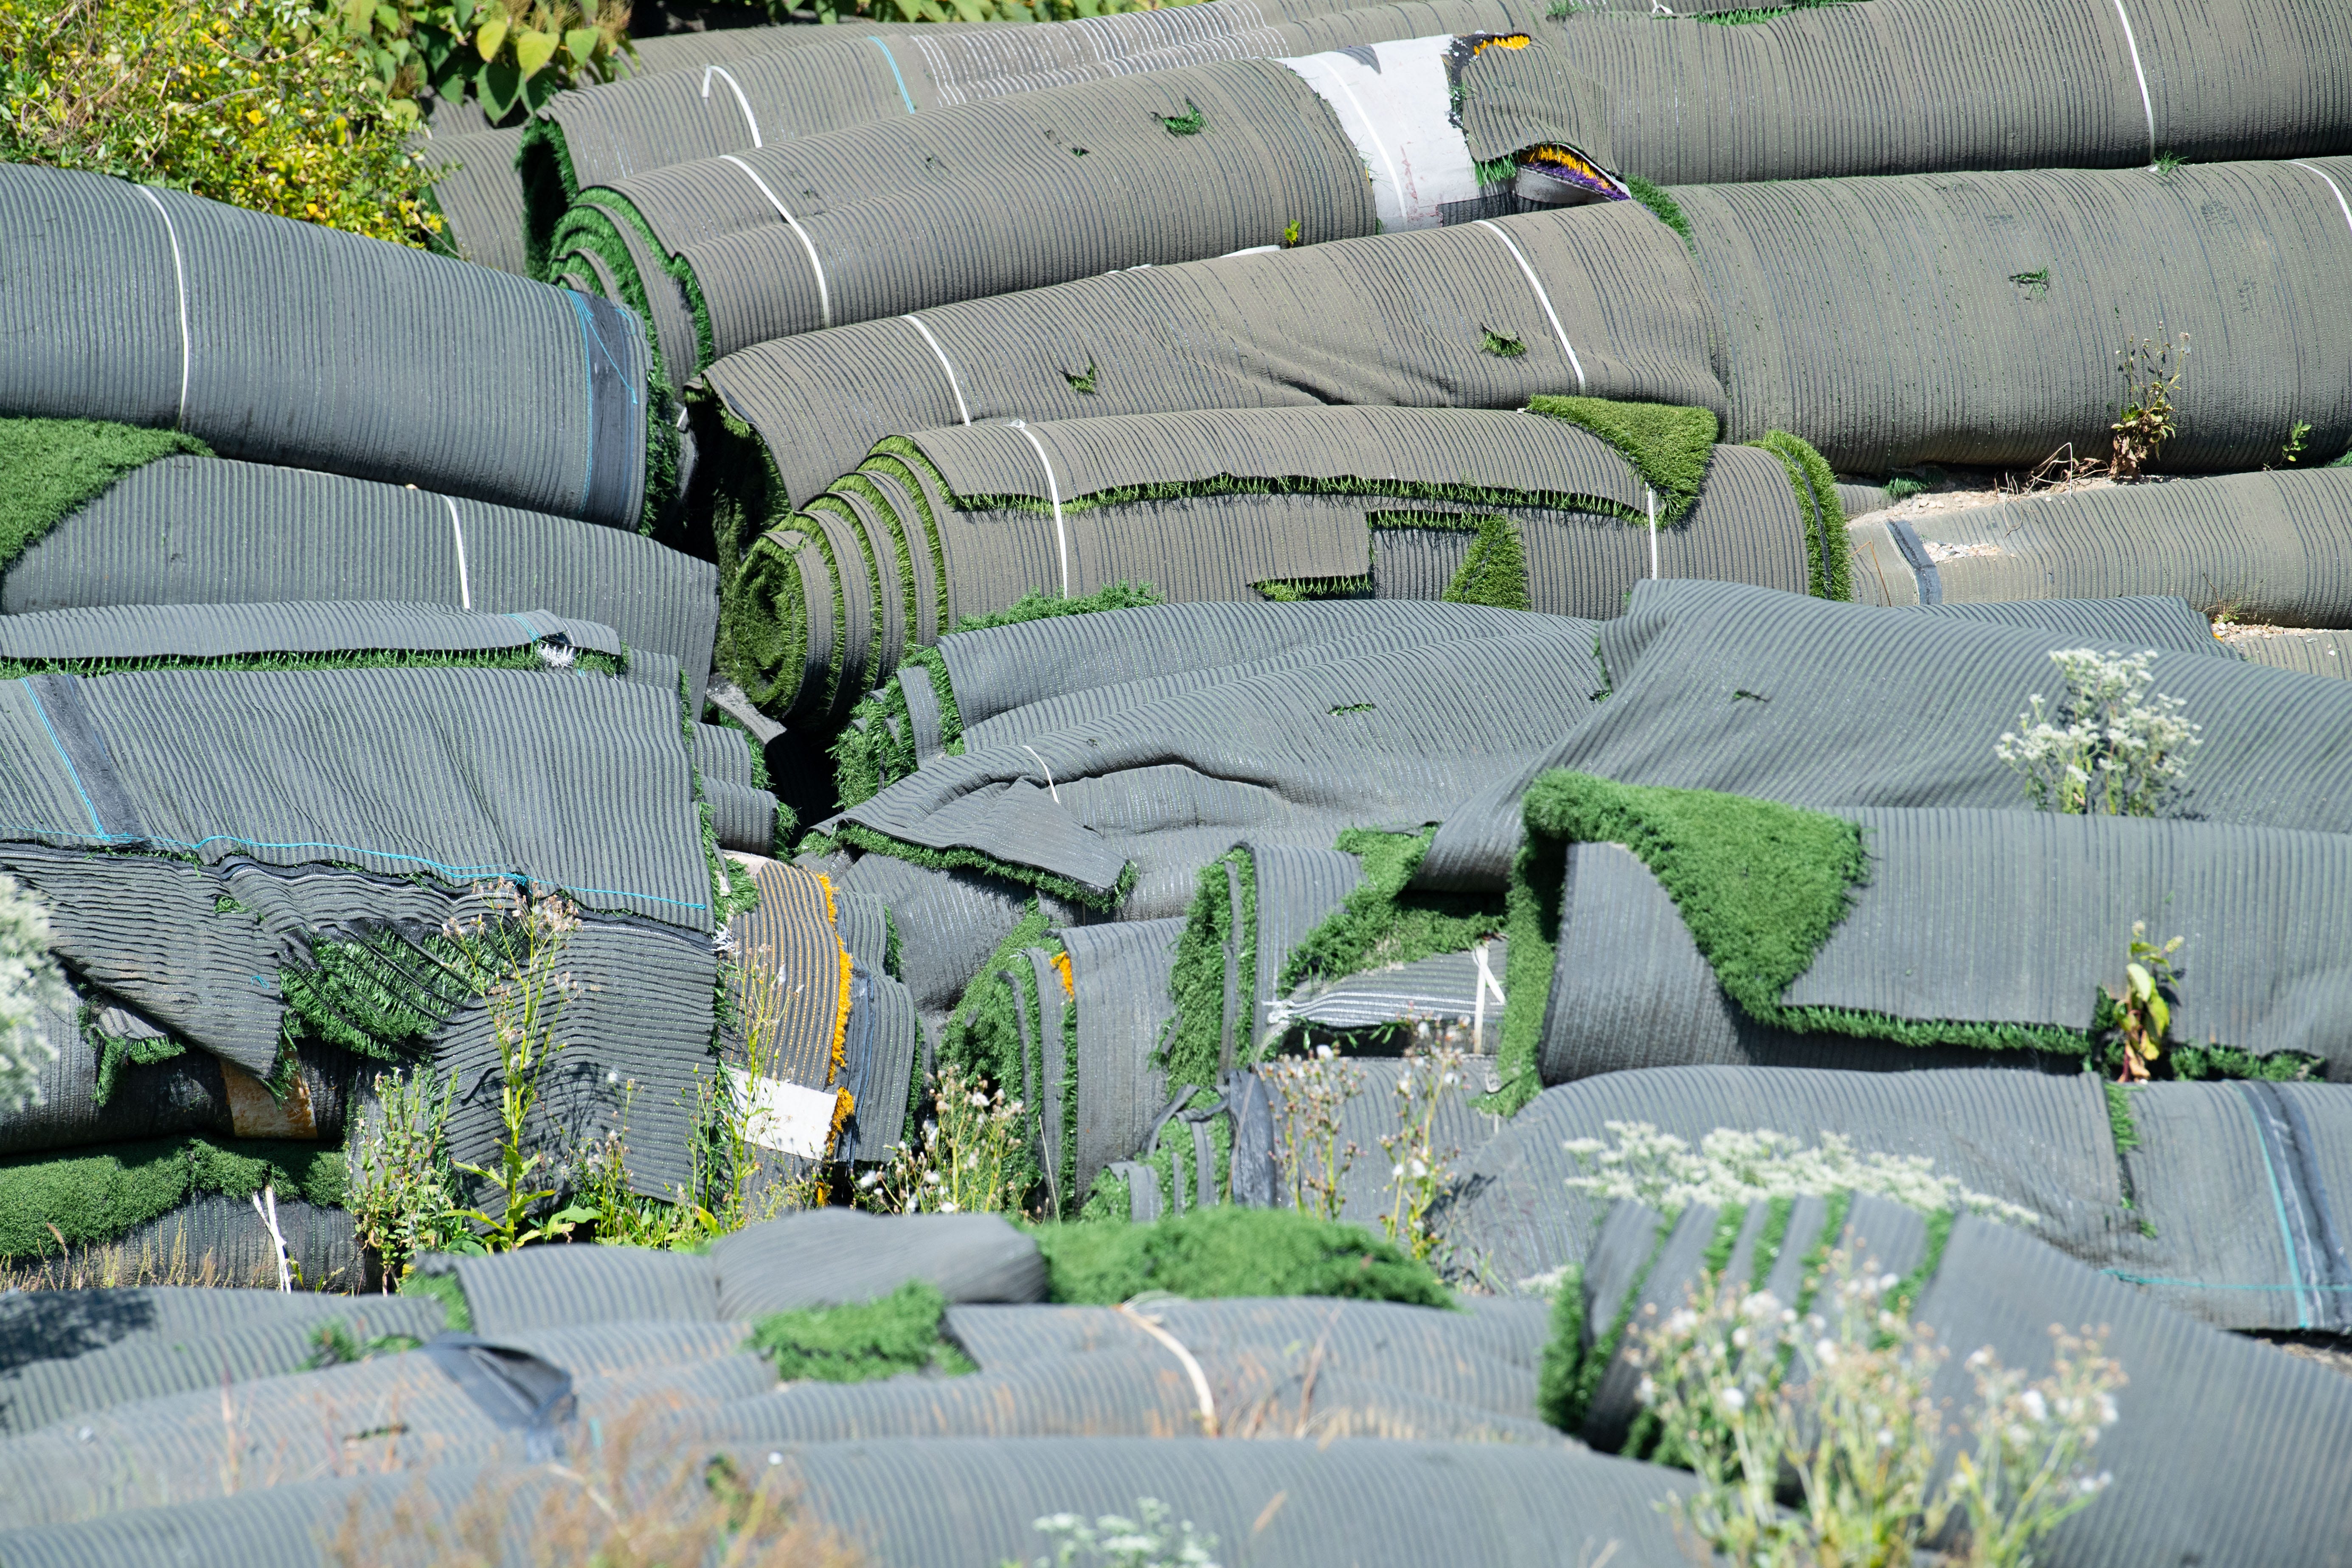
<point>68,1352</point>
<point>171,1448</point>
<point>1208,507</point>
<point>189,1091</point>
<point>480,195</point>
<point>856,75</point>
<point>135,633</point>
<point>2201,1177</point>
<point>201,756</point>
<point>2264,547</point>
<point>2222,1449</point>
<point>933,1500</point>
<point>152,307</point>
<point>1856,706</point>
<point>2314,653</point>
<point>198,530</point>
<point>987,198</point>
<point>1971,365</point>
<point>828,1256</point>
<point>1421,304</point>
<point>1135,808</point>
<point>1118,976</point>
<point>1987,929</point>
<point>788,947</point>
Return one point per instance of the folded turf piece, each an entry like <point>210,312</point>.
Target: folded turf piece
<point>1518,510</point>
<point>281,341</point>
<point>1120,814</point>
<point>1718,686</point>
<point>1001,684</point>
<point>2167,1186</point>
<point>242,848</point>
<point>2184,1476</point>
<point>107,514</point>
<point>2266,547</point>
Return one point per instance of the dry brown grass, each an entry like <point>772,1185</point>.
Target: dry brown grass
<point>114,1266</point>
<point>636,1503</point>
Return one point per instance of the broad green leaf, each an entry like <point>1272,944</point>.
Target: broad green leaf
<point>492,36</point>
<point>462,13</point>
<point>581,43</point>
<point>533,49</point>
<point>499,87</point>
<point>540,87</point>
<point>357,14</point>
<point>2159,1018</point>
<point>2142,985</point>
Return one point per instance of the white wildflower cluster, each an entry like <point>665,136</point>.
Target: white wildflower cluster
<point>966,1159</point>
<point>1730,1166</point>
<point>1112,1541</point>
<point>2112,748</point>
<point>1854,1419</point>
<point>29,981</point>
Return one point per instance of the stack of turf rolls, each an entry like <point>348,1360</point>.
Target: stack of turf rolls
<point>101,514</point>
<point>1557,509</point>
<point>260,904</point>
<point>277,341</point>
<point>1606,301</point>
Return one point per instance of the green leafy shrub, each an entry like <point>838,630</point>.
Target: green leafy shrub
<point>1228,1251</point>
<point>256,103</point>
<point>975,10</point>
<point>511,56</point>
<point>896,1333</point>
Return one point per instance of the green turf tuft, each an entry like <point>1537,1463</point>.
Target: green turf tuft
<point>1669,446</point>
<point>55,465</point>
<point>1228,1251</point>
<point>892,1335</point>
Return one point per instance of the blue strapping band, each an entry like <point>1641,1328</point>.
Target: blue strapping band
<point>901,80</point>
<point>2278,1202</point>
<point>2206,1285</point>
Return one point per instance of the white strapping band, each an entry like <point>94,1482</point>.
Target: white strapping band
<point>465,583</point>
<point>1201,1396</point>
<point>1487,983</point>
<point>1653,497</point>
<point>824,294</point>
<point>954,385</point>
<point>1543,299</point>
<point>2341,204</point>
<point>1048,772</point>
<point>741,102</point>
<point>1380,143</point>
<point>180,283</point>
<point>2146,108</point>
<point>1054,494</point>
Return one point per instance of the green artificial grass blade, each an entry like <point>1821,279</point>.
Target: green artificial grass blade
<point>53,466</point>
<point>884,1338</point>
<point>1228,1251</point>
<point>1669,446</point>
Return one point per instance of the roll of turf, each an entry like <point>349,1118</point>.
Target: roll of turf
<point>1602,302</point>
<point>2266,547</point>
<point>1789,274</point>
<point>2183,1474</point>
<point>72,1351</point>
<point>1519,511</point>
<point>1998,308</point>
<point>2167,1186</point>
<point>982,1497</point>
<point>1282,759</point>
<point>118,516</point>
<point>858,76</point>
<point>1017,193</point>
<point>285,343</point>
<point>480,193</point>
<point>2314,653</point>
